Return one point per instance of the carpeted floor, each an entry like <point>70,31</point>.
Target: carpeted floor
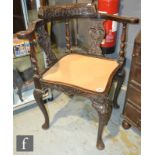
<point>73,130</point>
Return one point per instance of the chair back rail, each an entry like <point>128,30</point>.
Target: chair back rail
<point>66,12</point>
<point>79,10</point>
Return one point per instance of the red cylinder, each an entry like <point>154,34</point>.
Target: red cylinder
<point>110,27</point>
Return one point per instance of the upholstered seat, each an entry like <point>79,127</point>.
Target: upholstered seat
<point>86,72</point>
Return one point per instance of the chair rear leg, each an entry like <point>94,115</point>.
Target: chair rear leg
<point>38,97</point>
<point>19,92</point>
<point>120,79</point>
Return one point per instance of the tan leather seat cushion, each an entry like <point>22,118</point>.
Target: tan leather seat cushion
<point>83,71</point>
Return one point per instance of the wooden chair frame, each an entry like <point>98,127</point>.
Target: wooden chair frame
<point>100,101</point>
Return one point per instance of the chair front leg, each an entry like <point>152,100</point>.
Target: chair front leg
<point>104,110</point>
<point>120,79</point>
<point>38,97</point>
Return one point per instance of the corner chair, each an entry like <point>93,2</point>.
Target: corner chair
<point>89,73</point>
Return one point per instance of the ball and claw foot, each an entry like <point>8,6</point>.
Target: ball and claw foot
<point>45,126</point>
<point>100,145</point>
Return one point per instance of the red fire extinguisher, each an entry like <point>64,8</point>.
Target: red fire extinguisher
<point>110,27</point>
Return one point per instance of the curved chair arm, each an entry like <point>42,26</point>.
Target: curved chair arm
<point>29,33</point>
<point>120,19</point>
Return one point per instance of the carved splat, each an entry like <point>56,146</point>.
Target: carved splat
<point>97,34</point>
<point>45,43</point>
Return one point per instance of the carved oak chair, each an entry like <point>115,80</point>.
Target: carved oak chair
<point>89,73</point>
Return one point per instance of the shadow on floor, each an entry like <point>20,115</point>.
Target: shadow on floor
<point>81,107</point>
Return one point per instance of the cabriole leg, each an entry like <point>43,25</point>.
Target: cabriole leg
<point>104,112</point>
<point>38,97</point>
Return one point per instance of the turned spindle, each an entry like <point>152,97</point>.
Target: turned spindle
<point>68,45</point>
<point>123,41</point>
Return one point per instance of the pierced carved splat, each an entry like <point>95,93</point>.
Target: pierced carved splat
<point>97,34</point>
<point>45,43</point>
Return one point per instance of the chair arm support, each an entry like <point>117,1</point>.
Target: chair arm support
<point>30,35</point>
